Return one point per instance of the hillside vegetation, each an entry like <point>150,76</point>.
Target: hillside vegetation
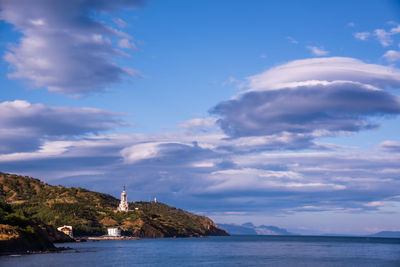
<point>20,234</point>
<point>90,213</point>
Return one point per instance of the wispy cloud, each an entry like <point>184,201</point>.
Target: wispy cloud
<point>351,24</point>
<point>230,80</point>
<point>392,55</point>
<point>127,44</point>
<point>121,23</point>
<point>395,30</point>
<point>317,51</point>
<point>384,37</point>
<point>390,146</point>
<point>292,40</point>
<point>362,35</point>
<point>199,124</point>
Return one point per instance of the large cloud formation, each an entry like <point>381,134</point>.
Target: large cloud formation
<point>64,47</point>
<point>315,96</point>
<point>25,126</point>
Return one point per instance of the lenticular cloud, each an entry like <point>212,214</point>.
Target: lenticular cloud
<point>322,96</point>
<point>324,69</point>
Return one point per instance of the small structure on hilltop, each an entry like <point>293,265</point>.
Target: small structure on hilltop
<point>155,200</point>
<point>66,229</point>
<point>113,231</point>
<point>123,205</point>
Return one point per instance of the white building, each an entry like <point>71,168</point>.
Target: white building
<point>123,206</point>
<point>66,229</point>
<point>114,231</point>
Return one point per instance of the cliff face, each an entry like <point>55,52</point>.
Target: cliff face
<point>15,240</point>
<point>53,235</point>
<point>90,213</point>
<point>19,234</point>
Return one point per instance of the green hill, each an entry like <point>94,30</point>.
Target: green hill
<point>90,213</point>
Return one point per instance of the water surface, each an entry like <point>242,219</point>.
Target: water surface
<point>222,251</point>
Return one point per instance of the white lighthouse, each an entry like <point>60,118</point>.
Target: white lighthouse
<point>123,206</point>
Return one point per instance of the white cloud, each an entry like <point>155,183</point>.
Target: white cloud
<point>48,149</point>
<point>362,35</point>
<point>202,124</point>
<point>125,43</point>
<point>141,151</point>
<point>203,164</point>
<point>292,40</point>
<point>38,22</point>
<point>231,80</point>
<point>374,204</point>
<point>384,37</point>
<point>392,55</point>
<point>324,69</point>
<point>121,23</point>
<point>395,30</point>
<point>317,51</point>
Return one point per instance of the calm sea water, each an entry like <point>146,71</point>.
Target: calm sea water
<point>222,251</point>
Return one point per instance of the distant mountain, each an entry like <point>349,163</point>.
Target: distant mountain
<point>393,234</point>
<point>302,231</point>
<point>90,213</point>
<point>251,229</point>
<point>235,229</point>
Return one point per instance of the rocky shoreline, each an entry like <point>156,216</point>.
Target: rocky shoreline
<point>24,252</point>
<point>40,239</point>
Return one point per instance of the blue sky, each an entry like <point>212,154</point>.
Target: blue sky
<point>275,112</point>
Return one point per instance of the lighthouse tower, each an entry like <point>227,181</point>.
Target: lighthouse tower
<point>123,206</point>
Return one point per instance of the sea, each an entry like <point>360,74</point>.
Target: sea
<point>222,251</point>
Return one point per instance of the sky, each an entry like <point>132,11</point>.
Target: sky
<point>279,113</point>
